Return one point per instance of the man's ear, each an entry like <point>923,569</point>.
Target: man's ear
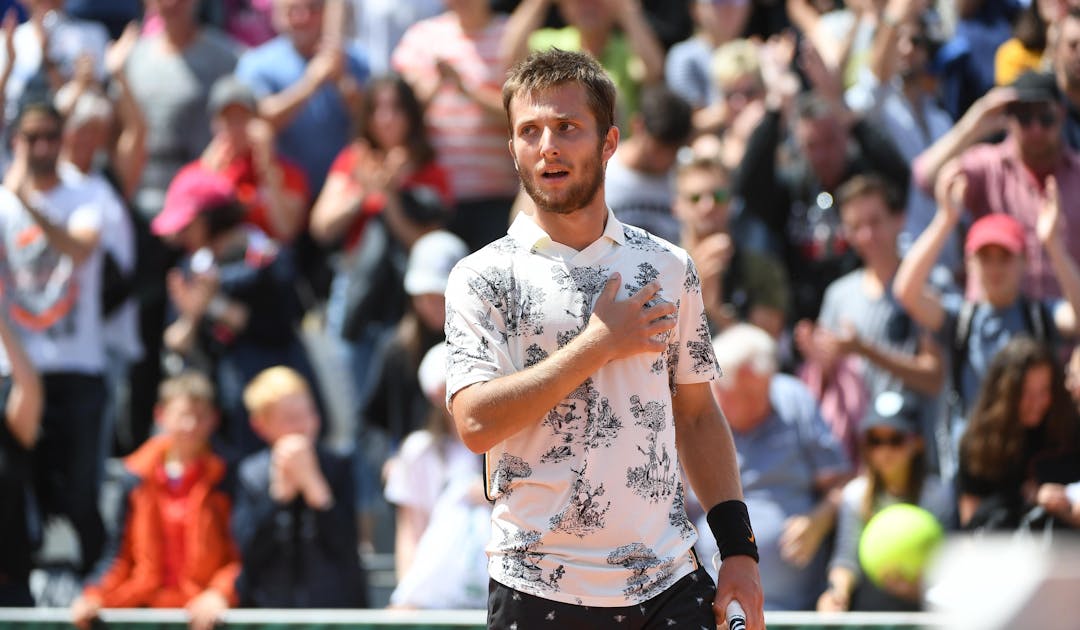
<point>611,142</point>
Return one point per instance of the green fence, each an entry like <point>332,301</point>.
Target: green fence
<point>57,619</point>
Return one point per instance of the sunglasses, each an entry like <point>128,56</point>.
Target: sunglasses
<point>720,195</point>
<point>894,440</point>
<point>47,136</point>
<point>1025,117</point>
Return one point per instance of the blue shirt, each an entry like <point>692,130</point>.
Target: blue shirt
<point>778,461</point>
<point>323,126</point>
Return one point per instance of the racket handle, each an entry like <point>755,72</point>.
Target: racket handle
<point>736,617</point>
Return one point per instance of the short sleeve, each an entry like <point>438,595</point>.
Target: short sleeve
<point>476,349</point>
<point>849,526</point>
<point>691,350</point>
<point>248,72</point>
<point>345,161</point>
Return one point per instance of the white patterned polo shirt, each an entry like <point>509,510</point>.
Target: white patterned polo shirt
<point>588,501</point>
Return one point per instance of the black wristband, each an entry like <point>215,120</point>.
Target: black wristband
<point>730,524</point>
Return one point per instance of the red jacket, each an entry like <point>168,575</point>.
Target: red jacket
<point>133,577</point>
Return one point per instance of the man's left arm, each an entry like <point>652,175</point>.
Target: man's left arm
<point>707,452</point>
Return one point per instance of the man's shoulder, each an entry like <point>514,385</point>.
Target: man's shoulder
<point>639,239</point>
<point>268,53</point>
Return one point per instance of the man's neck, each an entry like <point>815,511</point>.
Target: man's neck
<point>44,182</point>
<point>881,272</point>
<point>631,154</point>
<point>578,229</point>
<point>179,34</point>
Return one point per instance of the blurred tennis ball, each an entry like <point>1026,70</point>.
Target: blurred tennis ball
<point>899,540</point>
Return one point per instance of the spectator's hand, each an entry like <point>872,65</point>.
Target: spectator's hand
<point>301,466</point>
<point>219,153</point>
<point>628,327</point>
<point>1052,498</point>
<point>826,81</point>
<point>987,115</point>
<point>118,52</point>
<point>894,583</point>
<point>84,610</point>
<point>84,71</point>
<point>831,601</point>
<point>449,75</point>
<point>712,256</point>
<point>803,336</point>
<point>949,191</point>
<point>327,65</point>
<point>17,177</point>
<point>260,136</point>
<point>205,609</point>
<point>738,579</point>
<point>37,22</point>
<point>191,294</point>
<point>904,11</point>
<point>1049,224</point>
<point>781,84</point>
<point>282,488</point>
<point>801,539</point>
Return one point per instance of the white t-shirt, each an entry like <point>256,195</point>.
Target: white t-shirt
<point>589,504</point>
<point>423,467</point>
<point>121,328</point>
<point>54,305</point>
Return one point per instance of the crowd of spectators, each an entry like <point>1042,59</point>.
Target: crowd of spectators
<point>879,196</point>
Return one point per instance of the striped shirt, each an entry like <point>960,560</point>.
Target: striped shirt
<point>471,142</point>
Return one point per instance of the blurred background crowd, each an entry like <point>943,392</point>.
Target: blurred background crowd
<point>226,227</point>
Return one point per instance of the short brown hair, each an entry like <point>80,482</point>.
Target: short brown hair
<point>270,386</point>
<point>708,163</point>
<point>190,384</point>
<point>551,68</point>
<point>871,185</point>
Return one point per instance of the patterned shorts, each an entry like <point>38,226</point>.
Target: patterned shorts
<point>686,605</point>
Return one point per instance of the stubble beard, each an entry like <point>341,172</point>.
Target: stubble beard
<point>572,199</point>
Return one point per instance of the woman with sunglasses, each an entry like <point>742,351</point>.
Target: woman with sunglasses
<point>894,471</point>
<point>1021,444</point>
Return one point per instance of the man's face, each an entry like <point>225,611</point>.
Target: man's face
<point>912,50</point>
<point>824,144</point>
<point>725,19</point>
<point>558,153</point>
<point>1068,53</point>
<point>301,20</point>
<point>1037,129</point>
<point>39,136</point>
<point>870,227</point>
<point>703,201</point>
<point>232,122</point>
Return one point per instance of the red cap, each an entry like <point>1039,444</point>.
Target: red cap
<point>995,229</point>
<point>191,191</point>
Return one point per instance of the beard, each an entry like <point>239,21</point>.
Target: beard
<point>41,166</point>
<point>573,197</point>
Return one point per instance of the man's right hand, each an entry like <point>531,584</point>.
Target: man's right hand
<point>631,326</point>
<point>949,192</point>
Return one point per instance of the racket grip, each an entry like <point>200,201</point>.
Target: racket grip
<point>736,617</point>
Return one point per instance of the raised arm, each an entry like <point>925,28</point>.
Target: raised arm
<point>492,411</point>
<point>985,117</point>
<point>129,151</point>
<point>1050,229</point>
<point>910,284</point>
<point>23,410</point>
<point>526,18</point>
<point>641,37</point>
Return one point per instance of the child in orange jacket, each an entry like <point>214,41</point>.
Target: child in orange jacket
<point>174,548</point>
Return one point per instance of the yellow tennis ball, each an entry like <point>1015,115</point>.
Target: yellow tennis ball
<point>899,539</point>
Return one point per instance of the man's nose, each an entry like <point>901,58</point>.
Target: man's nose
<point>548,145</point>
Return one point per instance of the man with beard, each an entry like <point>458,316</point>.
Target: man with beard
<point>50,269</point>
<point>1010,177</point>
<point>577,348</point>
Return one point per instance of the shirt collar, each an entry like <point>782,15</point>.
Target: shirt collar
<point>528,233</point>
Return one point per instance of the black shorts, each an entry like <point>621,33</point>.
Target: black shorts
<point>686,605</point>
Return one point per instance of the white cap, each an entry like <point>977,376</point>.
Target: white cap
<point>431,258</point>
<point>432,372</point>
